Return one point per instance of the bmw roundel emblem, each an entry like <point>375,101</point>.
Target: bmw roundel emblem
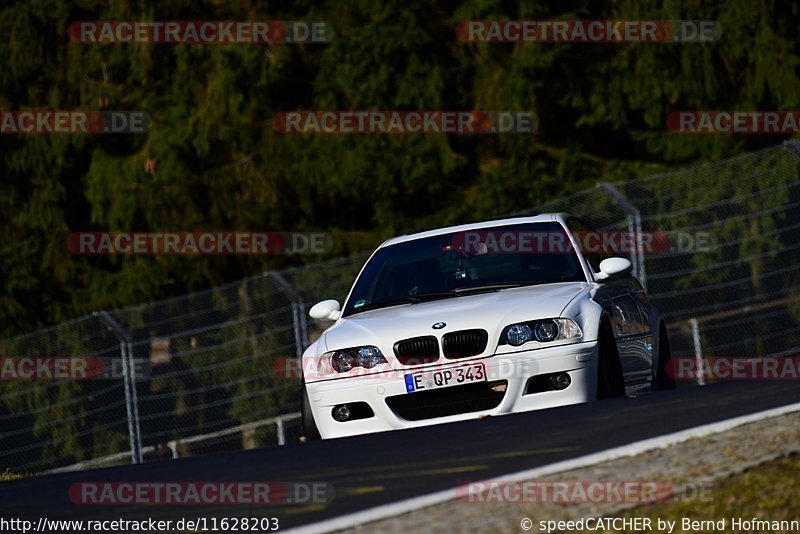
<point>439,325</point>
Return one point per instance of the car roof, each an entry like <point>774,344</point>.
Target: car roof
<point>542,217</point>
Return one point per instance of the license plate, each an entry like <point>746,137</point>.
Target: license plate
<point>425,380</point>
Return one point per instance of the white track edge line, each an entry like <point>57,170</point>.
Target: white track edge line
<point>659,442</point>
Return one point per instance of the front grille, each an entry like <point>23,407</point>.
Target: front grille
<point>417,350</point>
<point>448,401</point>
<point>464,343</point>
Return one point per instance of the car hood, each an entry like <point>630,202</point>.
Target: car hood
<point>491,311</point>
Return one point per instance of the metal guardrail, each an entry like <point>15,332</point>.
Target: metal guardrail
<point>175,445</point>
<point>217,358</point>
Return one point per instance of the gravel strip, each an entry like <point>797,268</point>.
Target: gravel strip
<point>692,467</point>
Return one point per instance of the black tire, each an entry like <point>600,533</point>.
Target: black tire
<point>664,373</point>
<point>310,430</point>
<point>610,380</point>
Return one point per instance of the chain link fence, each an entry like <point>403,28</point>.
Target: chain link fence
<point>212,371</point>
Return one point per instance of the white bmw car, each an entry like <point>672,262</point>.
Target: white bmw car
<point>481,319</point>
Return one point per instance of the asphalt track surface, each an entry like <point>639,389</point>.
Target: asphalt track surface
<point>377,469</point>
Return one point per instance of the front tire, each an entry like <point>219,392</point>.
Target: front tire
<point>610,380</point>
<point>310,430</point>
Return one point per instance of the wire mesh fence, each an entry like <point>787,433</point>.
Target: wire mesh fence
<point>213,371</point>
<point>733,275</point>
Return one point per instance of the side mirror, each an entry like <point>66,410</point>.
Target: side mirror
<point>614,268</point>
<point>325,310</point>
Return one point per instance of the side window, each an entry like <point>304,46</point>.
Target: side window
<point>589,241</point>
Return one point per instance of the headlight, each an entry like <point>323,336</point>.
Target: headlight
<point>543,331</point>
<point>517,334</point>
<point>369,357</point>
<point>345,360</point>
<point>342,362</point>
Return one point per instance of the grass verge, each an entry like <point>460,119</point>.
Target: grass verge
<point>767,492</point>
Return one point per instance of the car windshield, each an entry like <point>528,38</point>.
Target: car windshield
<point>463,263</point>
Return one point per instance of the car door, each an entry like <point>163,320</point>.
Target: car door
<point>627,303</point>
<point>634,339</point>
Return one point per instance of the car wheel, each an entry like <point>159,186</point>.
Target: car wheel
<point>310,430</point>
<point>610,381</point>
<point>664,379</point>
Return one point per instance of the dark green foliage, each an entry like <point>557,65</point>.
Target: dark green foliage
<point>221,166</point>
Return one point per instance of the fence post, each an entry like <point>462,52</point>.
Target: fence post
<point>635,251</point>
<point>129,381</point>
<point>698,353</point>
<point>634,227</point>
<point>298,311</point>
<point>280,431</point>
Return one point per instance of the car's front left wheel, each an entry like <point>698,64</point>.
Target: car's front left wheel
<point>610,380</point>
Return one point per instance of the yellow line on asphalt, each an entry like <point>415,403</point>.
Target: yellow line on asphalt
<point>425,473</point>
<point>483,457</point>
<point>446,470</point>
<point>360,490</point>
<point>301,509</point>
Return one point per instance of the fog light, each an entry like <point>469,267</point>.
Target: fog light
<point>341,413</point>
<point>560,381</point>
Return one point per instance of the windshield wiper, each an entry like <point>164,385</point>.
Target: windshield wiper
<point>494,287</point>
<point>410,299</point>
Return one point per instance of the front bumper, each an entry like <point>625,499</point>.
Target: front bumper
<point>513,370</point>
